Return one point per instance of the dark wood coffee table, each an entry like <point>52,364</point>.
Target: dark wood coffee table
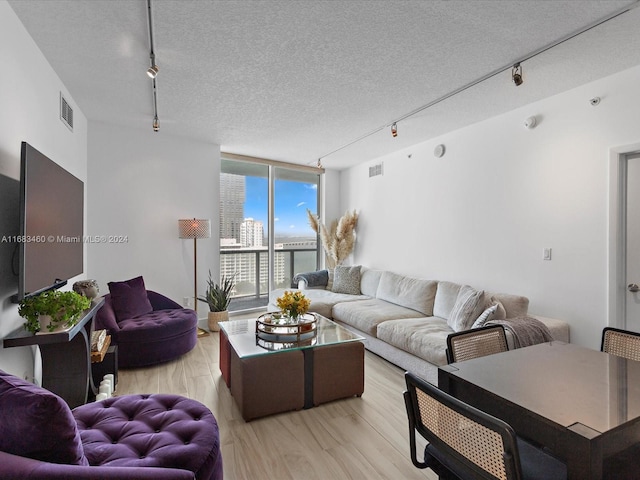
<point>325,366</point>
<point>582,404</point>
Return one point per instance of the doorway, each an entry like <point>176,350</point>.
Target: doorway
<point>624,309</point>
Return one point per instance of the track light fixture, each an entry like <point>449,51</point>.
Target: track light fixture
<point>516,74</point>
<point>394,130</point>
<point>152,71</point>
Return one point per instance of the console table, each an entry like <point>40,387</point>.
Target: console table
<point>66,356</point>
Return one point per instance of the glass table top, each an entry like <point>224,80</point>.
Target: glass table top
<point>243,337</point>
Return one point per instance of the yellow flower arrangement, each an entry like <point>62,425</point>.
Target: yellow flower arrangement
<point>293,304</point>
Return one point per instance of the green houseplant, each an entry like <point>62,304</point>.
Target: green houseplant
<point>218,297</point>
<point>59,308</point>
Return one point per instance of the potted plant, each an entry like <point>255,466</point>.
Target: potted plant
<point>52,310</point>
<point>218,297</point>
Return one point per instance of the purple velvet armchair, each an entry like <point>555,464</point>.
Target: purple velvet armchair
<point>152,437</point>
<point>148,327</point>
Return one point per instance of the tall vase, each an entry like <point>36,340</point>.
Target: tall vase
<point>215,317</point>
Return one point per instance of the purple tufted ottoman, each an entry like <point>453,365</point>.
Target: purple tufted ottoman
<point>151,431</point>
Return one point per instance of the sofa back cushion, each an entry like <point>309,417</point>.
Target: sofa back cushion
<point>446,297</point>
<point>413,293</point>
<point>447,294</point>
<point>37,424</point>
<point>514,305</point>
<point>369,281</point>
<point>129,298</point>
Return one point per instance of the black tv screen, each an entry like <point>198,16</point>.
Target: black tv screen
<point>51,224</point>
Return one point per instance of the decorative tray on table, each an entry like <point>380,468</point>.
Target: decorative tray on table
<point>275,331</point>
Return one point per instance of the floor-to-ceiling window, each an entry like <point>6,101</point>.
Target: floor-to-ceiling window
<point>265,237</point>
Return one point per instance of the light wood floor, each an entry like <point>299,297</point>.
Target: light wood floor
<point>357,438</point>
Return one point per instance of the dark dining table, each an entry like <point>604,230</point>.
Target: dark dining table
<point>582,405</point>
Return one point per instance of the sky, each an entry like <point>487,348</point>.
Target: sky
<point>291,202</point>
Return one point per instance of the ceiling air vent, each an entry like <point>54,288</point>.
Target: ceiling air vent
<point>375,170</point>
<point>66,112</point>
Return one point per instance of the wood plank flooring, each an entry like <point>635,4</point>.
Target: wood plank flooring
<point>357,438</point>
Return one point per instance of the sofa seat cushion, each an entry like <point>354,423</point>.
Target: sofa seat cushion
<point>322,301</point>
<point>157,325</point>
<point>424,337</point>
<point>151,431</point>
<point>413,293</point>
<point>37,423</point>
<point>365,315</point>
<point>156,337</point>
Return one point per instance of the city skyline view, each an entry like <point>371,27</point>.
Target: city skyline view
<point>244,223</point>
<point>292,199</point>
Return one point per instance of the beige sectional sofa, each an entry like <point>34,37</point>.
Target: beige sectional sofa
<point>407,320</point>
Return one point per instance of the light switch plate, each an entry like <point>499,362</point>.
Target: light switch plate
<point>546,254</point>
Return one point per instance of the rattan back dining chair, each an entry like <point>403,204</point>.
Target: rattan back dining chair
<point>475,343</point>
<point>622,343</point>
<point>466,443</point>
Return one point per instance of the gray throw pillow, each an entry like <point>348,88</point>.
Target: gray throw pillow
<point>466,310</point>
<point>346,280</point>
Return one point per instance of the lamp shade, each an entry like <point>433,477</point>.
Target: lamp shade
<point>194,228</point>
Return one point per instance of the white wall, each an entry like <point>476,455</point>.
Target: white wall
<point>140,184</point>
<point>483,213</point>
<point>29,100</point>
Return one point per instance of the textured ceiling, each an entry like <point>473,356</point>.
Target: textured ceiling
<point>295,80</point>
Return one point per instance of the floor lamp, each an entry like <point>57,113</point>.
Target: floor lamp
<point>195,228</point>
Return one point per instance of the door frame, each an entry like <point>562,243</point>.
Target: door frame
<point>617,274</point>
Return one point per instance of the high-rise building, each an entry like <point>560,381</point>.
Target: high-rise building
<point>251,233</point>
<point>232,193</point>
<point>243,249</point>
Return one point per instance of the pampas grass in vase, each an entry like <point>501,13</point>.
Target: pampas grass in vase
<point>339,239</point>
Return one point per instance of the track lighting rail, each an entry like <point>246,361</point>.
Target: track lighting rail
<point>152,71</point>
<point>493,73</point>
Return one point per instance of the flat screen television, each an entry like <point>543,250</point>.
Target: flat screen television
<point>51,224</point>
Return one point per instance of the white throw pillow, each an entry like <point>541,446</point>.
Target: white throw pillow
<point>485,316</point>
<point>466,309</point>
<point>346,280</point>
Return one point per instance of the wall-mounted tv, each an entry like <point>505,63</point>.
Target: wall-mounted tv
<point>51,224</point>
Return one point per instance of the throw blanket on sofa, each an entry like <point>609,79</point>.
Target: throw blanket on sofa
<point>313,279</point>
<point>525,330</point>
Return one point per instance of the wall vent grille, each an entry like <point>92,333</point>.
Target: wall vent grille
<point>66,112</point>
<point>375,170</point>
